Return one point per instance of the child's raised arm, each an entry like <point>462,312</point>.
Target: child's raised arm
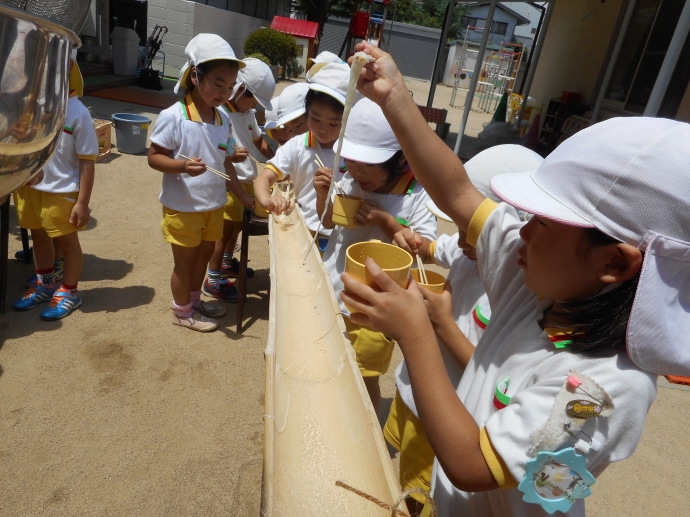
<point>434,163</point>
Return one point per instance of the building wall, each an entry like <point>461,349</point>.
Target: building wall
<point>302,60</point>
<point>528,11</point>
<point>576,43</point>
<point>187,19</point>
<point>499,16</point>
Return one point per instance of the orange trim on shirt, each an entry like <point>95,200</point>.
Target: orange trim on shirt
<point>406,183</point>
<point>481,214</point>
<point>274,170</point>
<point>496,465</point>
<point>190,111</point>
<point>91,157</point>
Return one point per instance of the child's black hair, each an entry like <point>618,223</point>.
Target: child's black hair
<point>598,324</point>
<point>394,166</point>
<point>203,69</point>
<point>332,102</point>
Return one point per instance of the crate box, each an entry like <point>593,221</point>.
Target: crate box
<point>103,132</point>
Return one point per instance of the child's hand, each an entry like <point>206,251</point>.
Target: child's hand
<point>408,240</point>
<point>80,215</point>
<point>383,310</point>
<point>277,205</point>
<point>371,214</point>
<point>240,155</point>
<point>194,167</point>
<point>439,306</point>
<point>322,181</point>
<point>247,201</point>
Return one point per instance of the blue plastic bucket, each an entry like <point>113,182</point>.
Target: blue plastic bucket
<point>131,132</point>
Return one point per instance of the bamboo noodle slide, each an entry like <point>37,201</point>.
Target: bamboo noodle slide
<point>214,171</point>
<point>319,425</point>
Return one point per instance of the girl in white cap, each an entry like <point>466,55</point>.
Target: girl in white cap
<point>589,304</point>
<point>288,118</point>
<point>193,197</point>
<point>324,104</point>
<point>255,87</point>
<point>391,198</point>
<point>459,316</point>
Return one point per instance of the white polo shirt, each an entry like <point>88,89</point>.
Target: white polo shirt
<point>470,309</point>
<point>298,159</point>
<point>246,132</point>
<point>179,128</point>
<point>514,345</point>
<point>406,201</point>
<point>77,141</point>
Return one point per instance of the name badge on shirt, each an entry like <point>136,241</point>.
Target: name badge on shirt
<point>555,480</point>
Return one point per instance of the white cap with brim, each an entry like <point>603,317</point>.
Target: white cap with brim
<point>272,115</point>
<point>500,159</point>
<point>320,61</point>
<point>333,79</point>
<point>291,104</point>
<point>258,79</point>
<point>629,177</point>
<point>368,136</point>
<point>203,48</point>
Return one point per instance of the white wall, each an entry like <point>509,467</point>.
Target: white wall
<point>302,60</point>
<point>529,12</point>
<point>187,19</point>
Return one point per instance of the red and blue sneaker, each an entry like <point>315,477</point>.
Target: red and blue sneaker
<point>35,295</point>
<point>64,301</point>
<point>223,290</point>
<point>233,269</point>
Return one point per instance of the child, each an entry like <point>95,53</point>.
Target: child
<point>192,197</point>
<point>256,87</point>
<point>324,104</point>
<point>377,172</point>
<point>588,305</point>
<point>317,63</point>
<point>57,206</point>
<point>288,117</point>
<point>459,315</point>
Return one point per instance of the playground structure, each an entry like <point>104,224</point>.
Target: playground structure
<point>320,427</point>
<point>366,24</point>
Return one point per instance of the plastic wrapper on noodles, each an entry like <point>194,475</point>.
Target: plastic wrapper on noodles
<point>320,426</point>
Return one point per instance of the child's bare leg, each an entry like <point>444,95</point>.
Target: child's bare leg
<point>206,249</point>
<point>236,229</point>
<point>44,253</point>
<point>57,246</point>
<point>372,384</point>
<point>74,258</point>
<point>181,279</point>
<point>216,261</point>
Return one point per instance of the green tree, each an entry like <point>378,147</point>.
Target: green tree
<point>277,46</point>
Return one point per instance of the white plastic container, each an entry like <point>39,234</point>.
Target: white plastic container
<point>125,51</point>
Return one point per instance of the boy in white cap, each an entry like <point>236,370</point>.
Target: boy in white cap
<point>288,117</point>
<point>192,196</point>
<point>391,198</point>
<point>459,315</point>
<point>255,87</point>
<point>56,205</point>
<point>324,104</point>
<point>589,304</point>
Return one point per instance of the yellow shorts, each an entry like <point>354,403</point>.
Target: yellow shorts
<point>188,229</point>
<point>48,210</point>
<point>404,431</point>
<point>234,209</point>
<point>374,350</point>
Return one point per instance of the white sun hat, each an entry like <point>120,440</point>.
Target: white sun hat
<point>320,61</point>
<point>500,159</point>
<point>272,115</point>
<point>288,105</point>
<point>203,48</point>
<point>629,177</point>
<point>258,79</point>
<point>333,79</point>
<point>368,136</point>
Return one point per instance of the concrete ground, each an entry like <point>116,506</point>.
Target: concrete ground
<point>114,412</point>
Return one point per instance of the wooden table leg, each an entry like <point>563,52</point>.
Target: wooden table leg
<point>26,246</point>
<point>4,250</point>
<point>242,279</point>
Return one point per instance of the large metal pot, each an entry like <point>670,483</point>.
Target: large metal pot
<point>34,71</point>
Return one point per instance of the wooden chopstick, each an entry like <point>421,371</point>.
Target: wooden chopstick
<point>337,184</point>
<point>214,171</point>
<point>420,265</point>
<point>260,164</point>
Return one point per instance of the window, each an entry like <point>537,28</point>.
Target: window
<point>472,22</point>
<point>499,28</point>
<point>642,53</point>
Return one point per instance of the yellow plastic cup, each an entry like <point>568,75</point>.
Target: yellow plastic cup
<point>345,209</point>
<point>395,262</point>
<point>436,281</point>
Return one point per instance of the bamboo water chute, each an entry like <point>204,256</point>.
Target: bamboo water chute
<point>320,426</point>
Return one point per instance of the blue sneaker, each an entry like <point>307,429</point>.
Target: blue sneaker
<point>59,272</point>
<point>224,291</point>
<point>61,305</point>
<point>35,295</point>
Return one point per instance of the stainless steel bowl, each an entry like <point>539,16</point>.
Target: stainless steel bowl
<point>34,72</point>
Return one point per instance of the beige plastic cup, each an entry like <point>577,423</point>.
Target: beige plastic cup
<point>436,281</point>
<point>395,262</point>
<point>345,209</point>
